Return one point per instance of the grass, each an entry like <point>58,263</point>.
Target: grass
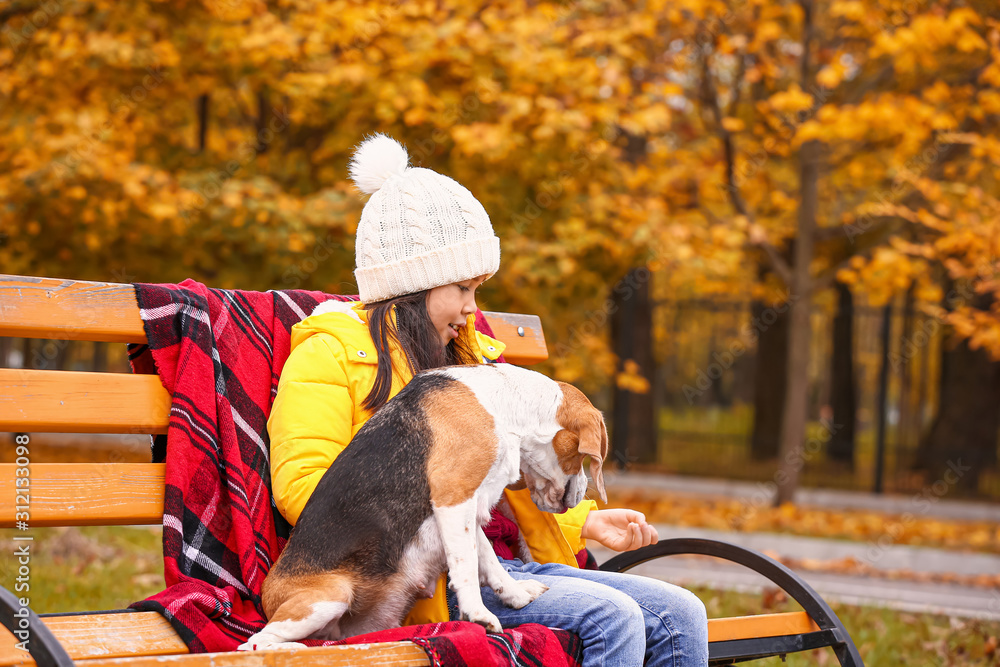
<point>85,569</point>
<point>80,569</point>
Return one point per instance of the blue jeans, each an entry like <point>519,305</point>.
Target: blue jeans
<point>623,619</point>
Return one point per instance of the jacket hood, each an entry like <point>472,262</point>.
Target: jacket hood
<point>332,317</point>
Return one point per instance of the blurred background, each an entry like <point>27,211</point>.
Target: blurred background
<point>763,235</point>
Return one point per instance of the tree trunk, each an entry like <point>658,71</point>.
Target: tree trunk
<point>770,379</point>
<point>263,118</point>
<point>634,427</point>
<point>793,422</point>
<point>202,122</point>
<point>843,397</point>
<point>902,364</point>
<point>962,441</point>
<point>99,363</point>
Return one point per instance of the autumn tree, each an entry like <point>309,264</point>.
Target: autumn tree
<point>821,115</point>
<point>942,211</point>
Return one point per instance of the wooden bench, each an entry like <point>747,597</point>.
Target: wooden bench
<point>102,494</point>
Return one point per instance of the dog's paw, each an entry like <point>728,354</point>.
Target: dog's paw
<point>263,641</point>
<point>520,593</point>
<point>483,617</point>
<point>251,646</point>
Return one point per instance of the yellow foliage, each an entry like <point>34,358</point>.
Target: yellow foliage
<point>852,10</point>
<point>630,378</point>
<point>831,75</point>
<point>580,127</point>
<point>791,100</point>
<point>733,124</point>
<point>768,31</point>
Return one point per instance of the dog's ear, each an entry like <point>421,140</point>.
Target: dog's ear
<point>594,443</point>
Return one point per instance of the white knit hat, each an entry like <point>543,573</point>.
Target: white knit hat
<point>419,229</point>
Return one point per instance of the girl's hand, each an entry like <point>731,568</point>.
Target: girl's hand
<point>619,529</point>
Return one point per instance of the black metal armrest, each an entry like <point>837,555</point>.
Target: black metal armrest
<point>832,632</point>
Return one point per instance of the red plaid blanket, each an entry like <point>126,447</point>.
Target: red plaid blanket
<point>219,353</point>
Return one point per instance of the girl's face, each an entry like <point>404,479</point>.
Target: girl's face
<point>449,305</point>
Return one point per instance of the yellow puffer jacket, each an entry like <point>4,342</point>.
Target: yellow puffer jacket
<point>328,374</point>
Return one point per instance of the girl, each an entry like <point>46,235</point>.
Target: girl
<point>424,245</point>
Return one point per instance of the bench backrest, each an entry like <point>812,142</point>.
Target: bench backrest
<point>42,401</point>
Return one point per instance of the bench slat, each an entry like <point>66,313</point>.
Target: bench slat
<point>106,636</point>
<point>69,310</point>
<point>108,639</point>
<point>80,402</point>
<point>394,654</point>
<point>82,310</point>
<point>86,494</point>
<point>103,636</point>
<point>761,625</point>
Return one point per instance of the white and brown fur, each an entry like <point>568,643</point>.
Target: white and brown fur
<point>411,493</point>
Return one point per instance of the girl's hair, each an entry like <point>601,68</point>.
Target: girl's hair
<point>415,334</point>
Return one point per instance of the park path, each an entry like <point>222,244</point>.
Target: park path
<point>886,561</point>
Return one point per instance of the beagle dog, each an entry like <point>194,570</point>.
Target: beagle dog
<point>411,493</point>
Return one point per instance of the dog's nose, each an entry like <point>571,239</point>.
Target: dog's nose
<point>566,501</point>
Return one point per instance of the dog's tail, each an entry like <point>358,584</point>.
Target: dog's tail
<point>307,605</point>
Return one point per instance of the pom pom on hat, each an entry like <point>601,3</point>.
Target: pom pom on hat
<point>419,229</point>
<point>376,160</point>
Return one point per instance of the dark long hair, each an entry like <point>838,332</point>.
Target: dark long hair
<point>416,336</point>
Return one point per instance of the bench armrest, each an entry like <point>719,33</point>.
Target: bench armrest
<point>831,628</point>
<point>43,646</point>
